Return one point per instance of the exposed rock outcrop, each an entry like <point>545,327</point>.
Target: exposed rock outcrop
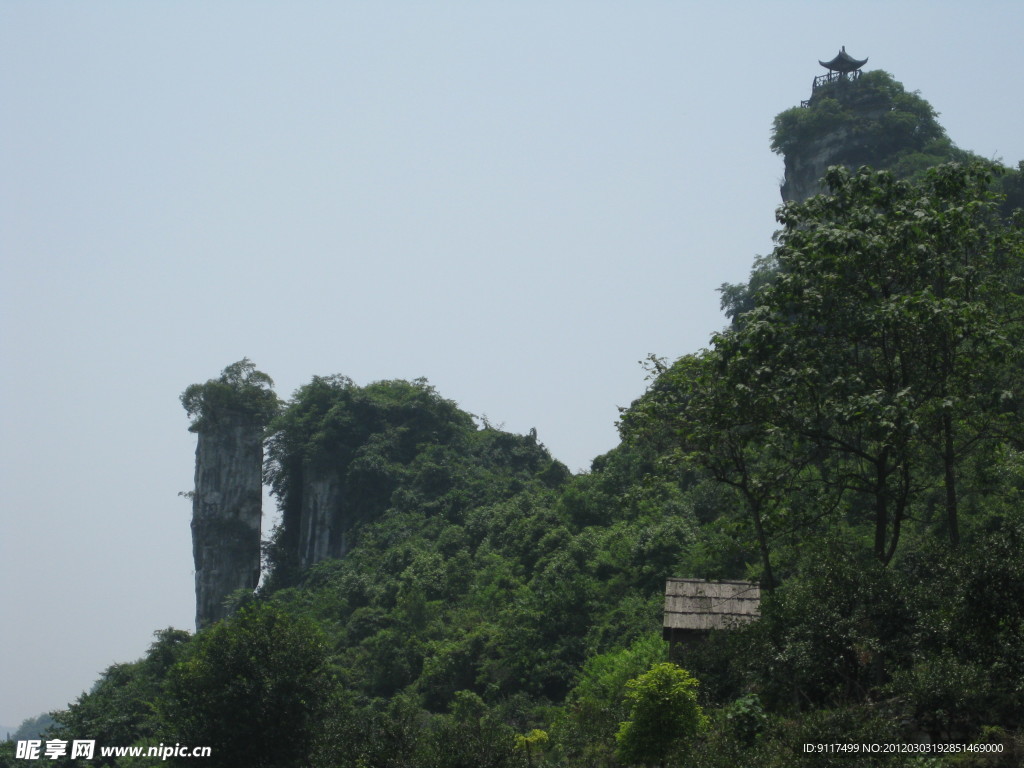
<point>805,171</point>
<point>323,532</point>
<point>844,144</point>
<point>229,415</point>
<point>226,513</point>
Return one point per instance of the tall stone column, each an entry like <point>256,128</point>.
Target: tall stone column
<point>226,513</point>
<point>229,415</point>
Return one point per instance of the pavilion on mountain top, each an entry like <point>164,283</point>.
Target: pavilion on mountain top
<point>842,68</point>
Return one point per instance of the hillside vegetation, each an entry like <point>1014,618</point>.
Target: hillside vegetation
<point>854,440</point>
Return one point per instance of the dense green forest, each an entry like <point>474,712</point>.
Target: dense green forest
<point>853,440</point>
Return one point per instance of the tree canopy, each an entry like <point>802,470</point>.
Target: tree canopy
<point>240,392</point>
<point>664,717</point>
<point>880,359</point>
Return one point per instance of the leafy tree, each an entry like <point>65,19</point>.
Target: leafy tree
<point>241,392</point>
<point>32,727</point>
<point>380,736</point>
<point>875,361</point>
<point>726,431</point>
<point>470,737</point>
<point>585,730</point>
<point>1011,183</point>
<point>832,634</point>
<point>914,291</point>
<point>249,688</point>
<point>532,744</point>
<point>664,717</point>
<point>118,709</point>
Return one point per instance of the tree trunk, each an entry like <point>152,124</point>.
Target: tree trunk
<point>949,467</point>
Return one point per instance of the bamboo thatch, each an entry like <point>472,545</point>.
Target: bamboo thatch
<point>696,606</point>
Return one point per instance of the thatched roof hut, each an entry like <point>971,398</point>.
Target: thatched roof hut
<point>695,606</point>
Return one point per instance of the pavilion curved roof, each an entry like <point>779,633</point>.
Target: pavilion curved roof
<point>843,62</point>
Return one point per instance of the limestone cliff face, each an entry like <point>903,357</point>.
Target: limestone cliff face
<point>840,145</point>
<point>226,513</point>
<point>323,530</point>
<point>804,170</point>
<point>870,121</point>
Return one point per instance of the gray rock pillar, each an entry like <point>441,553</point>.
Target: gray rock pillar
<point>323,533</point>
<point>229,415</point>
<point>226,514</point>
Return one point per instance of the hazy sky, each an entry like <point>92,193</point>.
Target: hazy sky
<point>516,200</point>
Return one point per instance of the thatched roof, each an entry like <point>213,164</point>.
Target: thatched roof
<point>695,605</point>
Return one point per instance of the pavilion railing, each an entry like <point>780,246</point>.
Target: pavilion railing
<point>832,77</point>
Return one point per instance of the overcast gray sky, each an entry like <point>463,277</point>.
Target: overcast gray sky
<point>516,200</point>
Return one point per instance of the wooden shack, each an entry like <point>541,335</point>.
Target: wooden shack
<point>695,606</point>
